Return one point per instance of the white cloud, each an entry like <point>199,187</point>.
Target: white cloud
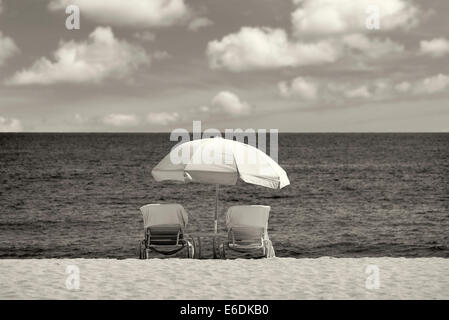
<point>199,23</point>
<point>80,119</point>
<point>121,120</point>
<point>324,17</point>
<point>432,84</point>
<point>146,36</point>
<point>437,47</point>
<point>323,31</point>
<point>299,87</point>
<point>371,47</point>
<point>359,92</point>
<point>204,108</point>
<point>403,86</point>
<point>257,48</point>
<point>162,118</point>
<point>135,13</point>
<point>326,91</point>
<point>7,48</point>
<point>265,48</point>
<point>425,86</point>
<point>101,56</point>
<point>229,103</point>
<point>10,125</point>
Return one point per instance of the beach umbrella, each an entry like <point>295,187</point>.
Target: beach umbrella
<point>220,161</point>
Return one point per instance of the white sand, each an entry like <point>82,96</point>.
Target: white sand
<point>279,278</point>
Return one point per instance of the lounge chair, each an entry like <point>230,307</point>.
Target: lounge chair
<point>164,226</point>
<point>247,231</point>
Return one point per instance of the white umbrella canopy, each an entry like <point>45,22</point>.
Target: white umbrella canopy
<point>220,161</point>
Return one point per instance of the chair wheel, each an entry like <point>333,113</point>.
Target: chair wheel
<point>191,249</point>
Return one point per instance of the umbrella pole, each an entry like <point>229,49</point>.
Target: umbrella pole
<point>216,209</point>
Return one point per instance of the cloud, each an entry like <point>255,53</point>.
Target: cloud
<point>265,48</point>
<point>437,47</point>
<point>7,48</point>
<point>403,86</point>
<point>432,84</point>
<point>162,118</point>
<point>80,119</point>
<point>299,87</point>
<point>371,47</point>
<point>145,36</point>
<point>426,86</point>
<point>136,13</point>
<point>325,91</point>
<point>101,56</point>
<point>228,103</point>
<point>359,92</point>
<point>323,31</point>
<point>1,6</point>
<point>429,85</point>
<point>121,120</point>
<point>199,23</point>
<point>10,125</point>
<point>324,17</point>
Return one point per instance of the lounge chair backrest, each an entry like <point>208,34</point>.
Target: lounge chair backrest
<point>248,217</point>
<point>164,234</point>
<point>164,214</point>
<point>244,235</point>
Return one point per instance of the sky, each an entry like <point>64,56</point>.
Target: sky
<point>291,65</point>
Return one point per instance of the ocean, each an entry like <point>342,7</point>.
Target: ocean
<point>65,195</point>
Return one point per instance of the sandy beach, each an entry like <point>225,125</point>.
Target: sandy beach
<point>278,278</point>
